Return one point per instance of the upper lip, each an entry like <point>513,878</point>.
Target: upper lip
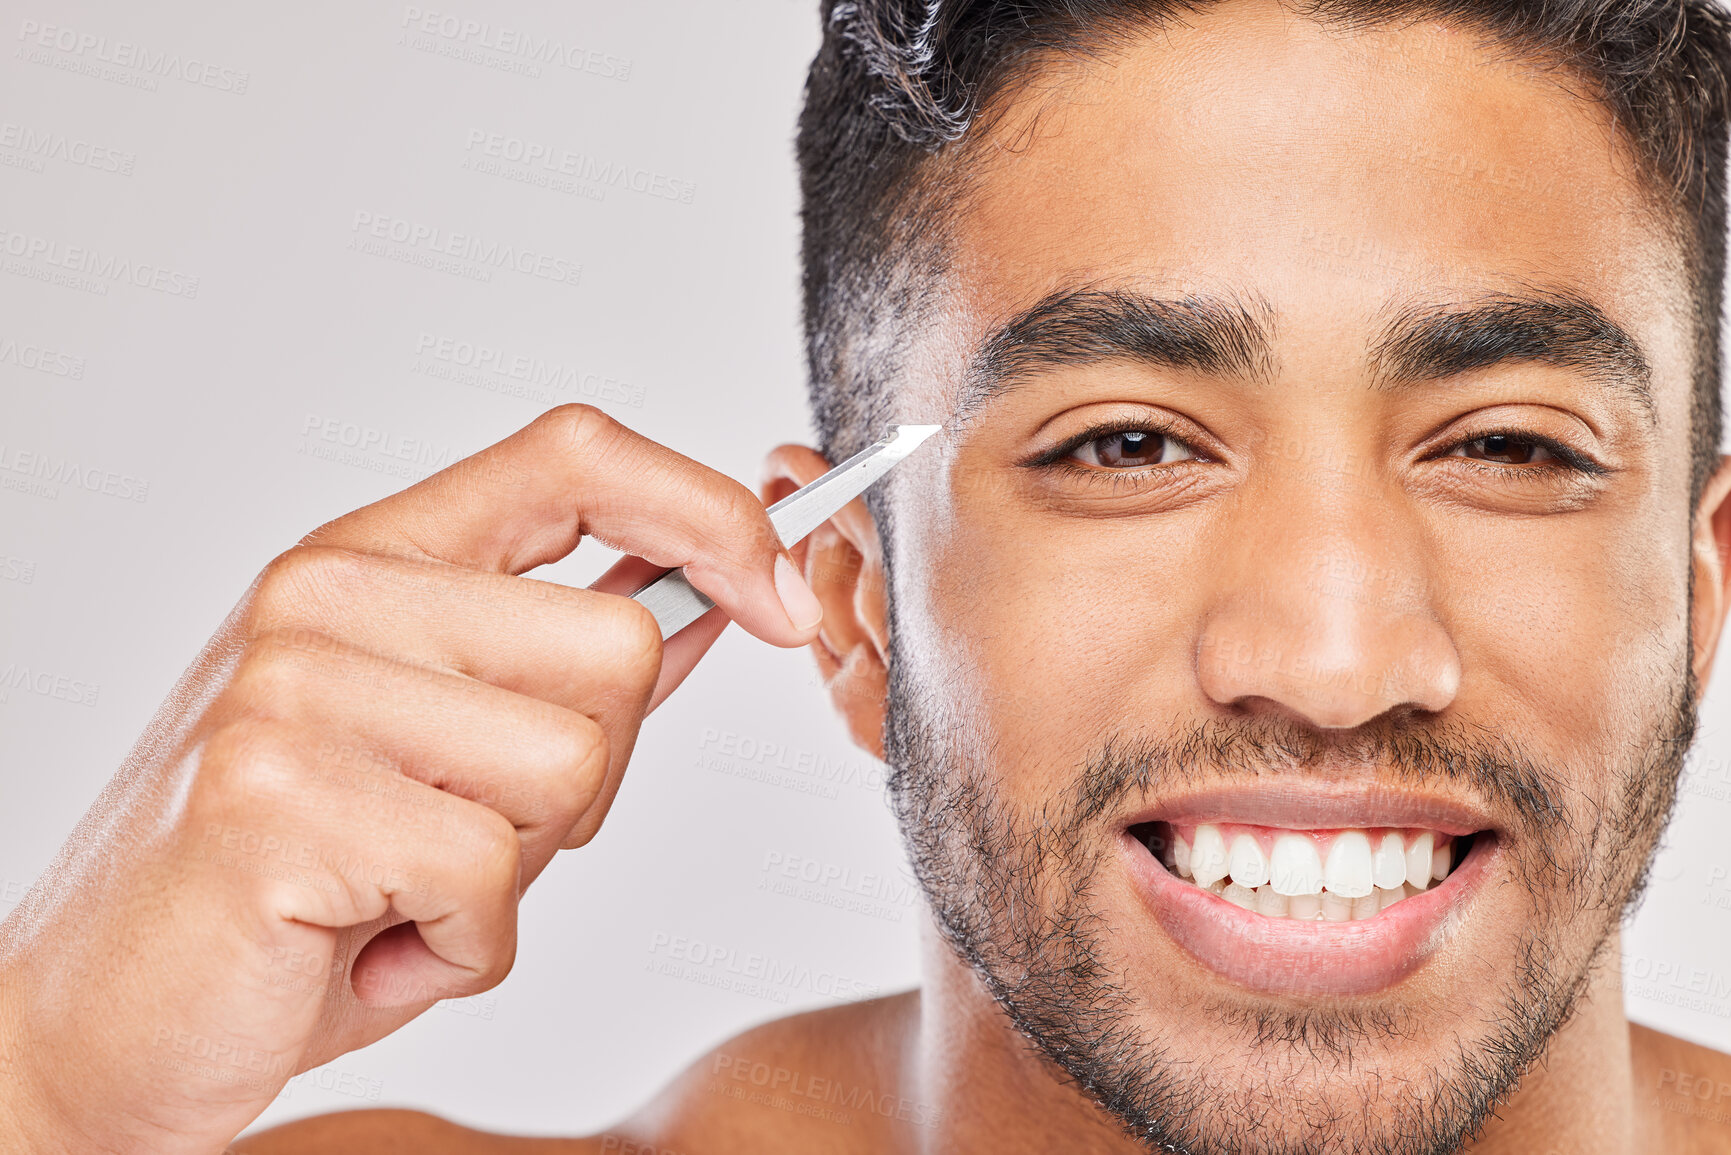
<point>1312,804</point>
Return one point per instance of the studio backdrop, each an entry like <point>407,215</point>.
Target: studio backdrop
<point>261,265</point>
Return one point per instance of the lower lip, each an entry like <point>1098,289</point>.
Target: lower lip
<point>1305,957</point>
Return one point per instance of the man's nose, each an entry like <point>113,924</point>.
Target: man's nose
<point>1331,625</point>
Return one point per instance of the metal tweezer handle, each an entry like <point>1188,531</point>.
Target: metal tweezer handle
<point>676,603</point>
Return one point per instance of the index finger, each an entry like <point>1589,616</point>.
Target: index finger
<point>575,472</point>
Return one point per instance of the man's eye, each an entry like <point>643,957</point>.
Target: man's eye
<point>1132,448</point>
<point>1505,449</point>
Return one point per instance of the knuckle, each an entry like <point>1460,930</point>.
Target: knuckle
<point>250,757</point>
<point>743,515</point>
<point>580,764</point>
<point>496,968</point>
<point>271,673</point>
<point>497,853</point>
<point>305,575</point>
<point>578,426</point>
<point>636,643</point>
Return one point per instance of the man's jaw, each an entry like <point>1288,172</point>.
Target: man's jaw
<point>1329,892</point>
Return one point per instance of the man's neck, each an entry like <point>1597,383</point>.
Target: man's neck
<point>991,1091</point>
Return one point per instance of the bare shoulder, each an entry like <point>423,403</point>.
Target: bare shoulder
<point>388,1132</point>
<point>1683,1091</point>
<point>829,1080</point>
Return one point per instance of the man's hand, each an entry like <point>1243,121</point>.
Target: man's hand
<point>329,824</point>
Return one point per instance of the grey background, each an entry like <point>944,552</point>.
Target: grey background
<point>193,431</point>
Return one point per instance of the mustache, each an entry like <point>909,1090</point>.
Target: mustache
<point>1389,751</point>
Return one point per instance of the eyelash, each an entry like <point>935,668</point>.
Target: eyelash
<point>1059,458</point>
<point>1565,459</point>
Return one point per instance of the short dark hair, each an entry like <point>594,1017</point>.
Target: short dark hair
<point>898,83</point>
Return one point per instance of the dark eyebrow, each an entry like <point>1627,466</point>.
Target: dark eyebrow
<point>1437,342</point>
<point>1214,335</point>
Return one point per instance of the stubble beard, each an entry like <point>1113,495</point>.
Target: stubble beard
<point>1013,896</point>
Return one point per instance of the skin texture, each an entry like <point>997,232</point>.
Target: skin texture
<point>1325,562</point>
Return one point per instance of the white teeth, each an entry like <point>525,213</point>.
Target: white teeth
<point>1208,855</point>
<point>1246,863</point>
<point>1388,864</point>
<point>1347,872</point>
<point>1296,868</point>
<point>1357,879</point>
<point>1239,896</point>
<point>1418,860</point>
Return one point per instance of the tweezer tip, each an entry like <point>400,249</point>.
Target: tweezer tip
<point>913,433</point>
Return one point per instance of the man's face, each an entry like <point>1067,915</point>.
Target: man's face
<point>1320,502</point>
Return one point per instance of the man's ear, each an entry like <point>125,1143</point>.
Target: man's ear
<point>843,564</point>
<point>1711,549</point>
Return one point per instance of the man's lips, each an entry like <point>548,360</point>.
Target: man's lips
<point>1349,928</point>
<point>1314,805</point>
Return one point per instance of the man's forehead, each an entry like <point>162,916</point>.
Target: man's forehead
<point>1333,176</point>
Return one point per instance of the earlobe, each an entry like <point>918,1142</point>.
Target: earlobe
<point>1711,550</point>
<point>843,563</point>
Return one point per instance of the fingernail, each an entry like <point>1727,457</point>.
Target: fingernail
<point>802,606</point>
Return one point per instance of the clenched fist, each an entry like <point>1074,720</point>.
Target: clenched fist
<point>329,824</point>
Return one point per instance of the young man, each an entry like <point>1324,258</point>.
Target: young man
<point>1285,662</point>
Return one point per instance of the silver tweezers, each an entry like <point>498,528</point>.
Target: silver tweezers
<point>676,603</point>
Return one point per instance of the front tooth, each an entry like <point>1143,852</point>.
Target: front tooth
<point>1307,907</point>
<point>1336,908</point>
<point>1418,855</point>
<point>1270,902</point>
<point>1208,855</point>
<point>1246,864</point>
<point>1367,907</point>
<point>1348,870</point>
<point>1181,855</point>
<point>1388,896</point>
<point>1296,868</point>
<point>1439,860</point>
<point>1239,896</point>
<point>1388,864</point>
